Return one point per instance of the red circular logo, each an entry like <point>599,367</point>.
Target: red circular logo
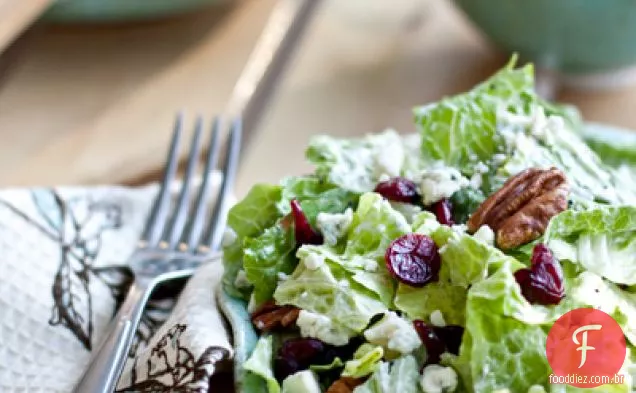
<point>586,348</point>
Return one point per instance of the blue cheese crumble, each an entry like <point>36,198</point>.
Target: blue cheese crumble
<point>321,327</point>
<point>440,182</point>
<point>334,226</point>
<point>394,333</point>
<point>438,379</point>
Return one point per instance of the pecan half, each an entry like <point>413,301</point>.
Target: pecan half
<point>520,211</point>
<point>344,385</point>
<point>270,316</point>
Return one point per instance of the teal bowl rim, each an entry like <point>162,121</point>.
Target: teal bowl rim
<point>110,11</point>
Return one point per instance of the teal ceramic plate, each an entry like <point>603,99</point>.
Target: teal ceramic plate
<point>122,10</point>
<point>599,136</point>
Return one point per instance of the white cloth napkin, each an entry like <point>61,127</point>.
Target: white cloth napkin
<point>61,256</point>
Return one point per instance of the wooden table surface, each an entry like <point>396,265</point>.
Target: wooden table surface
<point>95,104</point>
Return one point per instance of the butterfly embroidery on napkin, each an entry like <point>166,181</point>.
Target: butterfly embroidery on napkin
<point>77,225</point>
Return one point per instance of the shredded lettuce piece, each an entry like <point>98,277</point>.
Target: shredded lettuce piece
<point>248,218</point>
<point>462,130</point>
<point>366,360</point>
<point>615,146</point>
<point>260,363</point>
<point>329,290</point>
<point>401,375</point>
<point>465,261</point>
<point>266,257</point>
<point>601,240</point>
<point>375,225</point>
<point>315,196</point>
<point>357,164</point>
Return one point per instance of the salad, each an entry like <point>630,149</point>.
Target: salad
<point>438,261</point>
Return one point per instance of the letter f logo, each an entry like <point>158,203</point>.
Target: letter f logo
<point>583,344</point>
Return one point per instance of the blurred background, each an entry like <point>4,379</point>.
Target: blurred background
<point>88,93</point>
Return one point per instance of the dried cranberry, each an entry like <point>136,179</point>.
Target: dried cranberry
<point>303,350</point>
<point>435,347</point>
<point>443,210</point>
<point>413,259</point>
<point>305,234</point>
<point>284,367</point>
<point>451,335</point>
<point>296,355</point>
<point>399,189</point>
<point>542,283</point>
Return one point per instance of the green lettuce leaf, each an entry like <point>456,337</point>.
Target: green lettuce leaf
<point>591,181</point>
<point>601,240</point>
<point>248,218</point>
<point>401,375</point>
<point>315,196</point>
<point>260,363</point>
<point>319,368</point>
<point>462,130</point>
<point>499,351</point>
<point>504,342</point>
<point>357,164</point>
<point>465,202</point>
<point>367,272</point>
<point>329,290</point>
<point>591,290</point>
<point>366,360</point>
<point>464,262</point>
<point>615,146</point>
<point>265,257</point>
<point>375,225</point>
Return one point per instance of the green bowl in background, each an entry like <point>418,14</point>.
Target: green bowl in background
<point>80,11</point>
<point>568,36</point>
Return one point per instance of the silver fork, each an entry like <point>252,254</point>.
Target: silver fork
<point>174,242</point>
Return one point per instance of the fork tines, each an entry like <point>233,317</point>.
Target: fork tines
<point>182,225</point>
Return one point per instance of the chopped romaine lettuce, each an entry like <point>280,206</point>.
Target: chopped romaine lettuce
<point>357,164</point>
<point>601,240</point>
<point>614,146</point>
<point>465,202</point>
<point>315,196</point>
<point>557,145</point>
<point>401,375</point>
<point>365,361</point>
<point>365,271</point>
<point>330,291</point>
<point>260,363</point>
<point>248,218</point>
<point>319,368</point>
<point>462,130</point>
<point>499,351</point>
<point>465,261</point>
<point>375,225</point>
<point>305,381</point>
<point>265,257</point>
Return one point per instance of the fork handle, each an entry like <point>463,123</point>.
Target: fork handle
<point>108,361</point>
